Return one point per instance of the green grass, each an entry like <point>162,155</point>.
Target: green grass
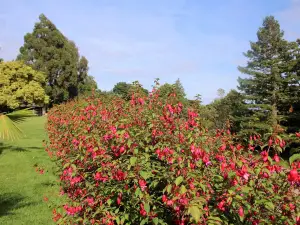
<point>22,189</point>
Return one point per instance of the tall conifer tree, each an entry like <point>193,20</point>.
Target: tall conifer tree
<point>267,75</point>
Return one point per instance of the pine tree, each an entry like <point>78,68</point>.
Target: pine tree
<point>267,73</point>
<point>46,49</point>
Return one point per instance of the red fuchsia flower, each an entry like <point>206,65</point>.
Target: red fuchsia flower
<point>75,142</point>
<point>170,202</point>
<point>244,173</point>
<point>293,175</point>
<point>46,199</point>
<point>56,216</point>
<point>126,135</point>
<point>120,175</point>
<point>143,184</point>
<point>221,205</point>
<point>251,147</point>
<point>272,217</point>
<point>241,212</point>
<point>270,142</point>
<point>282,143</point>
<point>276,158</point>
<point>297,134</point>
<point>119,198</point>
<point>223,166</point>
<point>41,171</point>
<point>223,147</point>
<point>142,210</point>
<point>90,201</point>
<point>141,101</point>
<point>164,198</point>
<point>72,210</point>
<point>75,180</point>
<point>220,158</point>
<point>264,155</point>
<point>234,182</point>
<point>169,107</point>
<point>98,176</point>
<point>205,159</point>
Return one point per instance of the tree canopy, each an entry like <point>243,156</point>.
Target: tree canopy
<point>21,85</point>
<point>46,49</point>
<point>264,87</point>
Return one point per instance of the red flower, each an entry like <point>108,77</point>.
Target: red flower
<point>276,158</point>
<point>297,134</point>
<point>119,198</point>
<point>264,155</point>
<point>143,184</point>
<point>221,205</point>
<point>164,198</point>
<point>223,147</point>
<point>98,176</point>
<point>270,142</point>
<point>241,211</point>
<point>293,175</point>
<point>90,201</point>
<point>142,210</point>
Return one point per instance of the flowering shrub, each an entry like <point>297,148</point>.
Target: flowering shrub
<point>147,162</point>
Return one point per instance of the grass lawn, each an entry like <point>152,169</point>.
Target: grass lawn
<point>22,189</point>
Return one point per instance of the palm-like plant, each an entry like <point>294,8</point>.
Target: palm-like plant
<point>9,129</point>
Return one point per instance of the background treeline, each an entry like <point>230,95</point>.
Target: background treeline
<point>49,70</point>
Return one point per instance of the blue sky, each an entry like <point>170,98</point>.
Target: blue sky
<point>198,41</point>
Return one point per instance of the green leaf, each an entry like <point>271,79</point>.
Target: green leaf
<point>195,213</point>
<point>144,221</point>
<point>133,160</point>
<point>246,189</point>
<point>178,180</point>
<point>155,220</point>
<point>182,189</point>
<point>169,188</point>
<point>8,129</point>
<point>147,207</point>
<point>145,174</point>
<point>270,205</point>
<point>294,158</point>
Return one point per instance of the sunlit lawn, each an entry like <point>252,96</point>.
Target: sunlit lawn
<point>22,189</point>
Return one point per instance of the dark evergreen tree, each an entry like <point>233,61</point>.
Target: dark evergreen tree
<point>263,89</point>
<point>46,49</point>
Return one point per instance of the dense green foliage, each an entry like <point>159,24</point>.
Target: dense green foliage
<point>46,49</point>
<point>125,90</point>
<point>271,88</point>
<point>21,85</point>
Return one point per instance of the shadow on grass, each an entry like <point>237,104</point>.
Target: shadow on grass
<point>17,148</point>
<point>49,183</point>
<point>10,202</point>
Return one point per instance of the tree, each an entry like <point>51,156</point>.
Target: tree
<point>20,85</point>
<point>221,92</point>
<point>167,89</point>
<point>46,49</point>
<point>86,83</point>
<point>88,86</point>
<point>229,111</point>
<point>263,88</point>
<point>124,90</point>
